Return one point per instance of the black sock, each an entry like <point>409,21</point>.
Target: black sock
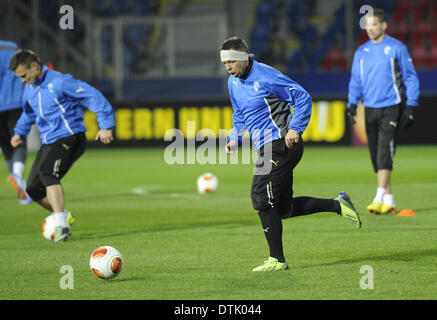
<point>306,205</point>
<point>272,226</point>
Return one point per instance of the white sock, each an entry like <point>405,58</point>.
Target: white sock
<point>65,213</point>
<point>379,195</point>
<point>60,219</point>
<point>18,169</point>
<point>389,199</point>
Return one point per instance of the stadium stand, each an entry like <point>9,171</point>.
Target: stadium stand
<point>412,22</point>
<point>296,36</point>
<point>260,35</point>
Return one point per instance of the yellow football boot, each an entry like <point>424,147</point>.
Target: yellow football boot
<point>272,264</point>
<point>388,209</point>
<point>374,208</point>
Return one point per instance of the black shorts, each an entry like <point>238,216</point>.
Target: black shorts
<point>274,188</point>
<point>8,120</point>
<point>52,162</point>
<point>381,129</point>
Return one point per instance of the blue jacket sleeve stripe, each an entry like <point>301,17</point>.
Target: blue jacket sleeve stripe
<point>409,77</point>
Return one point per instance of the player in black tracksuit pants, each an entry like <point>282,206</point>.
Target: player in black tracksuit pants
<point>261,97</point>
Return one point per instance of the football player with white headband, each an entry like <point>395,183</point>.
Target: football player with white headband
<point>262,98</point>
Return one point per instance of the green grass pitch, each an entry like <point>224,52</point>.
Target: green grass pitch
<point>178,244</point>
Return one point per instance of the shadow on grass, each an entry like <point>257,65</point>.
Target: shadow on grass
<point>124,279</point>
<point>405,256</point>
<point>98,198</point>
<point>145,194</point>
<point>164,228</point>
<point>425,209</point>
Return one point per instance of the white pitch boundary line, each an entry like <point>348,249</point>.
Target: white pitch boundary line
<point>146,190</point>
<point>142,190</point>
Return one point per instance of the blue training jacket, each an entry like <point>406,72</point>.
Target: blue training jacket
<point>11,87</point>
<point>382,74</point>
<point>54,103</point>
<point>261,103</point>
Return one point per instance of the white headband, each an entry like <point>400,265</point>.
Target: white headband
<point>234,55</point>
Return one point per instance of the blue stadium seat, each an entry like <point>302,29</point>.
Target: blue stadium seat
<point>109,7</point>
<point>296,63</point>
<point>389,5</point>
<point>296,15</point>
<point>101,7</point>
<point>106,41</point>
<point>331,33</point>
<point>264,13</point>
<point>310,33</point>
<point>120,7</point>
<point>372,3</point>
<point>340,15</point>
<point>259,37</point>
<point>129,58</point>
<point>316,59</point>
<point>46,9</point>
<point>135,34</point>
<point>265,9</point>
<point>259,41</point>
<point>142,7</point>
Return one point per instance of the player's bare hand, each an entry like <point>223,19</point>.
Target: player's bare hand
<point>105,136</point>
<point>16,140</point>
<point>292,137</point>
<point>230,147</point>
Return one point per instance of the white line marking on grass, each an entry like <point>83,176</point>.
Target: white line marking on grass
<point>148,189</point>
<point>142,190</point>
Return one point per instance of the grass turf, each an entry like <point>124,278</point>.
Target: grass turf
<point>178,244</point>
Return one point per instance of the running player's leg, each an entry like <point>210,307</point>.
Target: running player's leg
<point>373,117</point>
<point>386,151</point>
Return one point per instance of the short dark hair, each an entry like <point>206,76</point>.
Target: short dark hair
<point>23,57</point>
<point>380,14</point>
<point>235,43</point>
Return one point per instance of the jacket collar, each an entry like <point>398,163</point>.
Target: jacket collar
<point>38,81</point>
<point>248,69</point>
